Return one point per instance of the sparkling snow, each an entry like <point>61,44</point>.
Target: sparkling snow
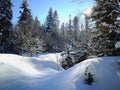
<point>44,73</point>
<point>117,44</point>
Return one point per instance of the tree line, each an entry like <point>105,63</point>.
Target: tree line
<point>97,36</point>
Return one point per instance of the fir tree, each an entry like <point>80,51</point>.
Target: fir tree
<point>50,22</point>
<point>25,17</point>
<point>70,31</point>
<point>63,30</point>
<point>106,14</point>
<point>5,25</point>
<point>25,37</point>
<point>76,28</point>
<point>56,21</point>
<point>53,38</point>
<point>37,28</point>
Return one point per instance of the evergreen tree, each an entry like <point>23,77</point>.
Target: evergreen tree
<point>70,31</point>
<point>50,22</point>
<point>105,14</point>
<point>53,38</point>
<point>63,30</point>
<point>25,17</point>
<point>76,28</point>
<point>5,25</point>
<point>37,28</point>
<point>56,21</point>
<point>25,38</point>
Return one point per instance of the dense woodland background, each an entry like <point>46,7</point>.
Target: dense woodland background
<point>99,34</point>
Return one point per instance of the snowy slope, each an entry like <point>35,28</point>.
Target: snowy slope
<point>25,73</point>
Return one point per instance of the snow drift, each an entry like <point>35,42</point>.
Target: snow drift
<point>44,73</point>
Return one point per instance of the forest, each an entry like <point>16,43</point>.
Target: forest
<point>99,34</point>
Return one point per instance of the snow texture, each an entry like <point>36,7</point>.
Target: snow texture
<point>117,44</point>
<point>42,73</point>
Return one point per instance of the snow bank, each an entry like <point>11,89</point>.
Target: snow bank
<point>25,73</point>
<point>106,73</point>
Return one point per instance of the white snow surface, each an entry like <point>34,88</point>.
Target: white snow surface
<point>117,44</point>
<point>43,73</point>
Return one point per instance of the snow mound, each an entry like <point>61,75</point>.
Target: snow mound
<point>43,73</point>
<point>106,73</point>
<point>29,65</point>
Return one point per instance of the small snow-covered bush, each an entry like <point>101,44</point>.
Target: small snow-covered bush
<point>71,58</point>
<point>67,63</point>
<point>89,78</point>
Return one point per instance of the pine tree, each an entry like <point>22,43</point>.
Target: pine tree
<point>5,25</point>
<point>63,30</point>
<point>76,29</point>
<point>37,28</point>
<point>50,22</point>
<point>25,37</point>
<point>56,21</point>
<point>53,40</point>
<point>70,31</point>
<point>105,14</point>
<point>25,17</point>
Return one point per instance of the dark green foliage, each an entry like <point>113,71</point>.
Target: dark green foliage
<point>5,25</point>
<point>106,12</point>
<point>67,63</point>
<point>89,78</point>
<point>25,17</point>
<point>104,43</point>
<point>54,42</point>
<point>105,15</point>
<point>26,36</point>
<point>80,56</point>
<point>50,22</point>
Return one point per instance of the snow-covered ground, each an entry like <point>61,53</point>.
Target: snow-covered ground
<point>44,73</point>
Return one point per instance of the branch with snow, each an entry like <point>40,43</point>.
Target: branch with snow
<point>117,44</point>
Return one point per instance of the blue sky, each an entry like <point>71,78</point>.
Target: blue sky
<point>40,8</point>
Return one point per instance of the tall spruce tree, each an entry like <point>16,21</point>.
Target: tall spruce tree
<point>37,28</point>
<point>76,28</point>
<point>25,17</point>
<point>56,21</point>
<point>24,33</point>
<point>105,14</point>
<point>70,31</point>
<point>53,38</point>
<point>5,25</point>
<point>63,30</point>
<point>50,21</point>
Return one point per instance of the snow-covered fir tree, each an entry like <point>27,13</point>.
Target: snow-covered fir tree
<point>62,31</point>
<point>25,17</point>
<point>25,38</point>
<point>106,14</point>
<point>70,31</point>
<point>76,28</point>
<point>56,21</point>
<point>5,25</point>
<point>37,28</point>
<point>50,22</point>
<point>53,37</point>
<point>76,32</point>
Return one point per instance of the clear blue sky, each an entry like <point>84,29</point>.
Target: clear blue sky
<point>40,8</point>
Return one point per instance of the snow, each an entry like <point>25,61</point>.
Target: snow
<point>42,73</point>
<point>117,31</point>
<point>105,24</point>
<point>117,44</point>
